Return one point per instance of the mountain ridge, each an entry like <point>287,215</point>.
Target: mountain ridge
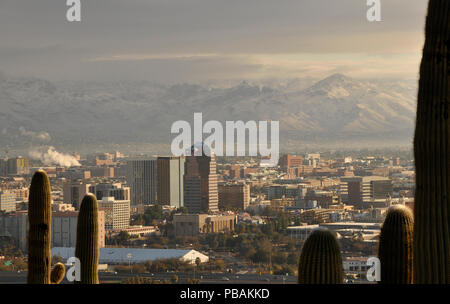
<point>337,107</point>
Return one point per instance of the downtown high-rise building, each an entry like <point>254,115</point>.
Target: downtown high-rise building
<point>74,192</point>
<point>170,181</point>
<point>200,184</point>
<point>117,213</point>
<point>14,166</point>
<point>234,196</point>
<point>142,180</point>
<point>357,190</point>
<point>116,190</point>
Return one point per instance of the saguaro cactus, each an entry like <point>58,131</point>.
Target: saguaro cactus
<point>58,273</point>
<point>87,240</point>
<point>321,260</point>
<point>40,218</point>
<point>395,249</point>
<point>432,150</point>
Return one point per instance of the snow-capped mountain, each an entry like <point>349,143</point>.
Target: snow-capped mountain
<point>337,107</point>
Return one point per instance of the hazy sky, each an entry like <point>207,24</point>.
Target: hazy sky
<point>198,40</point>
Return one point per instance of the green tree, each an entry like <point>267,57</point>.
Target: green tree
<point>174,279</point>
<point>292,259</point>
<point>123,237</point>
<point>260,256</point>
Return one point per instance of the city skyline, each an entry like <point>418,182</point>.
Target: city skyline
<point>134,143</point>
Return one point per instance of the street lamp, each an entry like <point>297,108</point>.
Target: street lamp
<point>130,256</point>
<point>193,262</point>
<point>209,260</point>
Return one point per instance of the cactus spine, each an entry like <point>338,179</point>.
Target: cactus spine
<point>87,240</point>
<point>431,152</point>
<point>321,260</point>
<point>395,249</point>
<point>40,218</point>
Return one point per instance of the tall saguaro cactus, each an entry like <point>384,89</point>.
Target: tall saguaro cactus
<point>321,260</point>
<point>395,249</point>
<point>87,250</point>
<point>40,219</point>
<point>432,151</point>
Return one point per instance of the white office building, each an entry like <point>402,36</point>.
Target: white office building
<point>117,213</point>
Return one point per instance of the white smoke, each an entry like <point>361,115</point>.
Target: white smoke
<point>38,136</point>
<point>49,156</point>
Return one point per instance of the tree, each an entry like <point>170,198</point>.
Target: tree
<point>153,213</point>
<point>123,237</point>
<point>260,256</point>
<point>174,279</point>
<point>182,210</point>
<point>292,259</point>
<point>279,258</point>
<point>138,268</point>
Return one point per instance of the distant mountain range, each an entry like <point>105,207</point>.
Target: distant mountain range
<point>332,110</point>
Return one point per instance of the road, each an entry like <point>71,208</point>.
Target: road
<point>9,277</point>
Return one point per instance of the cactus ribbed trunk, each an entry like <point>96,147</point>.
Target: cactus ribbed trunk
<point>58,273</point>
<point>321,260</point>
<point>40,219</point>
<point>396,246</point>
<point>87,250</point>
<point>431,151</point>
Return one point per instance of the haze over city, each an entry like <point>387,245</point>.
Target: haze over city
<point>118,121</point>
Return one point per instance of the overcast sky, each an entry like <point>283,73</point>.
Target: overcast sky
<point>198,40</point>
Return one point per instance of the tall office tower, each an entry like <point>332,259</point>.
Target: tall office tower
<point>234,196</point>
<point>116,190</point>
<point>142,179</point>
<point>170,181</point>
<point>200,184</point>
<point>16,166</point>
<point>74,192</point>
<point>356,190</point>
<point>117,213</point>
<point>3,167</point>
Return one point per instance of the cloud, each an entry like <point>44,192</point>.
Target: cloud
<point>140,40</point>
<point>38,136</point>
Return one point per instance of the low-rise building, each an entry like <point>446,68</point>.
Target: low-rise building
<point>301,232</point>
<point>136,231</point>
<point>194,224</point>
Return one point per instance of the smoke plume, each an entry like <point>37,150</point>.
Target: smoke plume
<point>49,156</point>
